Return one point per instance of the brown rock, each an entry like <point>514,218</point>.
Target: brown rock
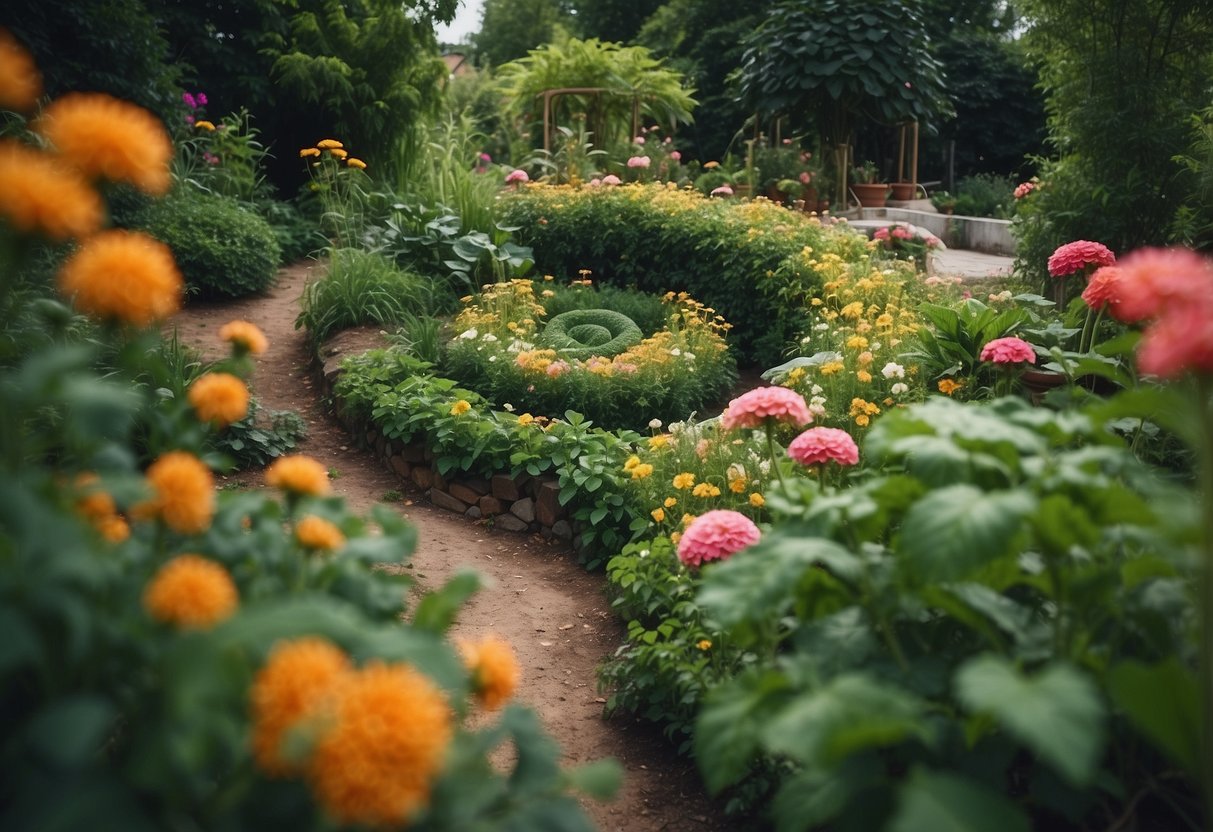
<point>413,453</point>
<point>505,488</point>
<point>460,491</point>
<point>509,522</point>
<point>473,513</point>
<point>438,481</point>
<point>401,467</point>
<point>423,477</point>
<point>490,505</point>
<point>444,500</point>
<point>547,505</point>
<point>480,486</point>
<point>524,509</point>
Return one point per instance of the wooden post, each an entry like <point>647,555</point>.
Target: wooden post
<point>547,121</point>
<point>901,153</point>
<point>914,161</point>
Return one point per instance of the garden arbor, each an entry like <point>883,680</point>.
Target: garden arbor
<point>838,61</point>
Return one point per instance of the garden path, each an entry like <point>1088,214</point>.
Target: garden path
<point>554,614</point>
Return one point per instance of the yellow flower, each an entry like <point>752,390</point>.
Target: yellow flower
<point>641,471</point>
<point>885,321</point>
<point>737,485</point>
<point>183,492</point>
<point>706,489</point>
<point>831,367</point>
<point>460,407</point>
<point>670,502</point>
<point>703,644</point>
<point>525,419</point>
<point>710,165</point>
<point>864,376</point>
<point>103,136</point>
<point>191,592</point>
<point>328,144</point>
<point>675,537</point>
<point>291,687</point>
<point>494,670</point>
<point>659,441</point>
<point>317,533</point>
<point>20,82</point>
<point>389,728</point>
<point>298,474</point>
<point>862,420</point>
<point>219,398</point>
<point>757,500</point>
<point>949,386</point>
<point>684,480</point>
<point>204,125</point>
<point>632,462</point>
<point>852,310</point>
<point>356,163</point>
<point>857,342</point>
<point>309,151</point>
<point>39,195</point>
<point>338,153</point>
<point>124,276</point>
<point>658,514</point>
<point>245,337</point>
<point>687,519</point>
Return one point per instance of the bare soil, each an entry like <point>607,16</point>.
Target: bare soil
<point>554,614</point>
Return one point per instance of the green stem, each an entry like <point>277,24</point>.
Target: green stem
<point>1084,338</point>
<point>770,429</point>
<point>1205,391</point>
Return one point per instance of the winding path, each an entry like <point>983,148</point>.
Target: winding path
<point>554,614</point>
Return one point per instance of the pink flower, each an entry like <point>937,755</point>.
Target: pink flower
<point>189,119</point>
<point>486,158</point>
<point>639,140</point>
<point>1153,280</point>
<point>723,190</point>
<point>933,241</point>
<point>1179,341</point>
<point>901,233</point>
<point>1009,350</point>
<point>210,158</point>
<point>611,179</point>
<point>1076,256</point>
<point>557,368</point>
<point>675,155</point>
<point>752,409</point>
<point>595,182</point>
<point>820,445</point>
<point>189,100</point>
<point>881,234</point>
<point>517,175</point>
<point>639,162</point>
<point>201,97</point>
<point>1023,189</point>
<point>716,535</point>
<point>1103,288</point>
<point>805,177</point>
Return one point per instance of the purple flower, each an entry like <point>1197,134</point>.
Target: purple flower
<point>189,100</point>
<point>201,99</point>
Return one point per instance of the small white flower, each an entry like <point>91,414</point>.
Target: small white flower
<point>899,388</point>
<point>488,336</point>
<point>806,339</point>
<point>492,358</point>
<point>469,335</point>
<point>690,356</point>
<point>675,351</point>
<point>893,370</point>
<point>817,409</point>
<point>655,424</point>
<point>874,346</point>
<point>818,401</point>
<point>765,467</point>
<point>509,408</point>
<point>815,390</point>
<point>821,327</point>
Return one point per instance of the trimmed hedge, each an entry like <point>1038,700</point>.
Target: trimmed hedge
<point>582,333</point>
<point>658,239</point>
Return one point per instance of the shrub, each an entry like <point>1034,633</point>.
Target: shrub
<point>582,333</point>
<point>361,287</point>
<point>222,248</point>
<point>985,195</point>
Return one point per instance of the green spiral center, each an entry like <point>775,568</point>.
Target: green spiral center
<point>581,333</point>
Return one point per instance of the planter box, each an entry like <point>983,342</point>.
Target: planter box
<point>871,196</point>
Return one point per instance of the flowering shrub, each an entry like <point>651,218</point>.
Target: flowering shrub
<point>901,243</point>
<point>506,352</point>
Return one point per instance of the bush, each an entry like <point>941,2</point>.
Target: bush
<point>361,287</point>
<point>985,195</point>
<point>222,248</point>
<point>298,235</point>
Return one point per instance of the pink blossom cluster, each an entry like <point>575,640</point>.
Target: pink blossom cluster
<point>194,100</point>
<point>817,446</point>
<point>723,190</point>
<point>1009,350</point>
<point>716,535</point>
<point>639,162</point>
<point>1173,290</point>
<point>518,175</point>
<point>1024,188</point>
<point>754,408</point>
<point>1078,255</point>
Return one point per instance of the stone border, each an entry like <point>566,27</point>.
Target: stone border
<point>519,503</point>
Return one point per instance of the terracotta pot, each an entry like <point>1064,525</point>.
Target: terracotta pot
<point>903,191</point>
<point>871,196</point>
<point>823,205</point>
<point>1040,382</point>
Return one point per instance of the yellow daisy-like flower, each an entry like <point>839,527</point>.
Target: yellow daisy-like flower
<point>948,386</point>
<point>670,502</point>
<point>864,376</point>
<point>317,533</point>
<point>183,492</point>
<point>852,310</point>
<point>684,480</point>
<point>737,485</point>
<point>525,419</point>
<point>191,592</point>
<point>757,500</point>
<point>203,124</point>
<point>20,82</point>
<point>124,276</point>
<point>103,136</point>
<point>687,519</point>
<point>245,337</point>
<point>706,489</point>
<point>298,474</point>
<point>659,441</point>
<point>38,195</point>
<point>632,462</point>
<point>309,152</point>
<point>388,735</point>
<point>704,644</point>
<point>338,153</point>
<point>219,398</point>
<point>884,321</point>
<point>831,367</point>
<point>658,514</point>
<point>857,342</point>
<point>494,670</point>
<point>641,471</point>
<point>460,407</point>
<point>293,685</point>
<point>329,144</point>
<point>356,163</point>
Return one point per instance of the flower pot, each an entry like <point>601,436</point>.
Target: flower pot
<point>903,191</point>
<point>1040,382</point>
<point>871,195</point>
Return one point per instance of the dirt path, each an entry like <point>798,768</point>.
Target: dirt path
<point>554,614</point>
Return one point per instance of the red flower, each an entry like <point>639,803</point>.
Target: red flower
<point>1076,256</point>
<point>1153,280</point>
<point>1103,288</point>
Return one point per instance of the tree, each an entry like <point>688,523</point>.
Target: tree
<point>612,20</point>
<point>511,28</point>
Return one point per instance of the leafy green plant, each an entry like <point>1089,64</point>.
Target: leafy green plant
<point>985,195</point>
<point>951,346</point>
<point>361,287</point>
<point>261,437</point>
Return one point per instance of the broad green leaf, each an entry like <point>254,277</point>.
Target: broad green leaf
<point>1056,713</point>
<point>937,802</point>
<point>1163,702</point>
<point>954,531</point>
<point>808,799</point>
<point>729,726</point>
<point>437,610</point>
<point>600,779</point>
<point>70,732</point>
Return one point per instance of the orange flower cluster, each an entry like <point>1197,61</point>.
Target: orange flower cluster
<point>219,398</point>
<point>298,474</point>
<point>123,276</point>
<point>97,506</point>
<point>191,592</point>
<point>37,194</point>
<point>319,534</point>
<point>20,81</point>
<point>244,337</point>
<point>494,670</point>
<point>183,493</point>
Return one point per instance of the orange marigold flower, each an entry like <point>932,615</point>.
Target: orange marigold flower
<point>123,275</point>
<point>684,480</point>
<point>219,398</point>
<point>20,82</point>
<point>103,136</point>
<point>184,492</point>
<point>356,163</point>
<point>293,685</point>
<point>113,528</point>
<point>317,533</point>
<point>205,125</point>
<point>460,407</point>
<point>298,474</point>
<point>949,386</point>
<point>338,153</point>
<point>757,500</point>
<point>191,592</point>
<point>39,195</point>
<point>390,730</point>
<point>328,144</point>
<point>494,669</point>
<point>244,336</point>
<point>309,151</point>
<point>93,503</point>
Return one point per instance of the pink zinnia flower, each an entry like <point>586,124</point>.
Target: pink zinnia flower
<point>639,162</point>
<point>1024,189</point>
<point>805,177</point>
<point>1152,280</point>
<point>881,234</point>
<point>1179,341</point>
<point>716,535</point>
<point>189,100</point>
<point>639,140</point>
<point>675,155</point>
<point>723,190</point>
<point>1103,288</point>
<point>1076,256</point>
<point>753,408</point>
<point>611,179</point>
<point>819,445</point>
<point>1010,350</point>
<point>595,182</point>
<point>901,233</point>
<point>517,175</point>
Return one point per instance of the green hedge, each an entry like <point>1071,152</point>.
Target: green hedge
<point>724,253</point>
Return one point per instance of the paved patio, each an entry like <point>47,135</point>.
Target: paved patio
<point>971,265</point>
